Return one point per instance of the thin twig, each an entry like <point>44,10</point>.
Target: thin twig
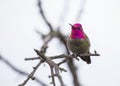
<point>89,54</point>
<point>51,57</point>
<point>81,10</point>
<point>63,61</point>
<point>40,33</point>
<point>52,75</point>
<point>60,56</point>
<point>34,58</point>
<point>63,38</point>
<point>43,15</point>
<point>64,13</point>
<point>47,39</point>
<point>30,76</point>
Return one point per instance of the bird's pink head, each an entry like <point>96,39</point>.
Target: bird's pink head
<point>77,31</point>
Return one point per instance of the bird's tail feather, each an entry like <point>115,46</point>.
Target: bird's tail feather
<point>86,59</point>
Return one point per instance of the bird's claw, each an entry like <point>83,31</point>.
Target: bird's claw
<point>75,56</point>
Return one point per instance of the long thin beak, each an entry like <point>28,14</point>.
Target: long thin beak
<point>71,25</point>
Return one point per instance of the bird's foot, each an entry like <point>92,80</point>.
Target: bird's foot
<point>75,56</point>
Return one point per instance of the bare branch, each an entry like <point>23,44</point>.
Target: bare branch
<point>41,34</point>
<point>51,63</point>
<point>90,54</point>
<point>63,38</point>
<point>73,71</point>
<point>43,15</point>
<point>66,56</point>
<point>80,11</point>
<point>64,13</point>
<point>34,58</point>
<point>30,76</point>
<point>19,71</point>
<point>63,61</point>
<point>47,39</point>
<point>51,57</point>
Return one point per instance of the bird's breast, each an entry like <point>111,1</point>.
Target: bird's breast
<point>78,46</point>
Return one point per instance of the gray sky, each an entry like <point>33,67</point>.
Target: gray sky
<point>100,20</point>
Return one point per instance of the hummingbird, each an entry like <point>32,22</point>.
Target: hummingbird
<point>78,42</point>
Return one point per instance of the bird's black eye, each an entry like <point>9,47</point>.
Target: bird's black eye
<point>78,28</point>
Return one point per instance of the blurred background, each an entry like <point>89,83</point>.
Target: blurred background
<point>100,19</point>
